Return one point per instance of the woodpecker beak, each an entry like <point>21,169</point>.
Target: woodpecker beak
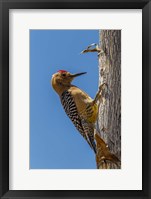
<point>78,74</point>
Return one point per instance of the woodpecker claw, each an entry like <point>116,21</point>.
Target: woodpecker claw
<point>105,130</point>
<point>100,92</point>
<point>103,85</point>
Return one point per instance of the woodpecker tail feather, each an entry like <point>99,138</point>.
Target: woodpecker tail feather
<point>89,133</point>
<point>91,142</point>
<point>103,153</point>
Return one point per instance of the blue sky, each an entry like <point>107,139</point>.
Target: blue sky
<point>54,141</point>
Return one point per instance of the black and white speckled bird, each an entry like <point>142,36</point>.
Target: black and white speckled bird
<point>78,105</point>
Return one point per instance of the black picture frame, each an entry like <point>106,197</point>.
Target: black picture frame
<point>5,5</point>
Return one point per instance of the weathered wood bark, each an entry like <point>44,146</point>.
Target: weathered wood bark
<point>109,121</point>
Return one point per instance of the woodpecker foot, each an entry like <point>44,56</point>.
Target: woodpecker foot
<point>102,86</point>
<point>100,93</point>
<point>105,130</point>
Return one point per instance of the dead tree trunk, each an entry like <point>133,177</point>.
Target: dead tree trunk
<point>109,121</point>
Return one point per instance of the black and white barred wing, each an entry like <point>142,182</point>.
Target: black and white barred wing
<point>71,110</point>
<point>82,126</point>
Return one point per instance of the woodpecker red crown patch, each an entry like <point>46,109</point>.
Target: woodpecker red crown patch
<point>61,71</point>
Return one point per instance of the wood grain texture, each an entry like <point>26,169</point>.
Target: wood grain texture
<point>109,121</point>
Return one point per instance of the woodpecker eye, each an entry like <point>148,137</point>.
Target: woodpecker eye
<point>63,75</point>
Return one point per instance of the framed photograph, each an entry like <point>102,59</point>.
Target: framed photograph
<point>75,99</point>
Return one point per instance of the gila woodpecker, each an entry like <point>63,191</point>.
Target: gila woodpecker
<point>78,105</point>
